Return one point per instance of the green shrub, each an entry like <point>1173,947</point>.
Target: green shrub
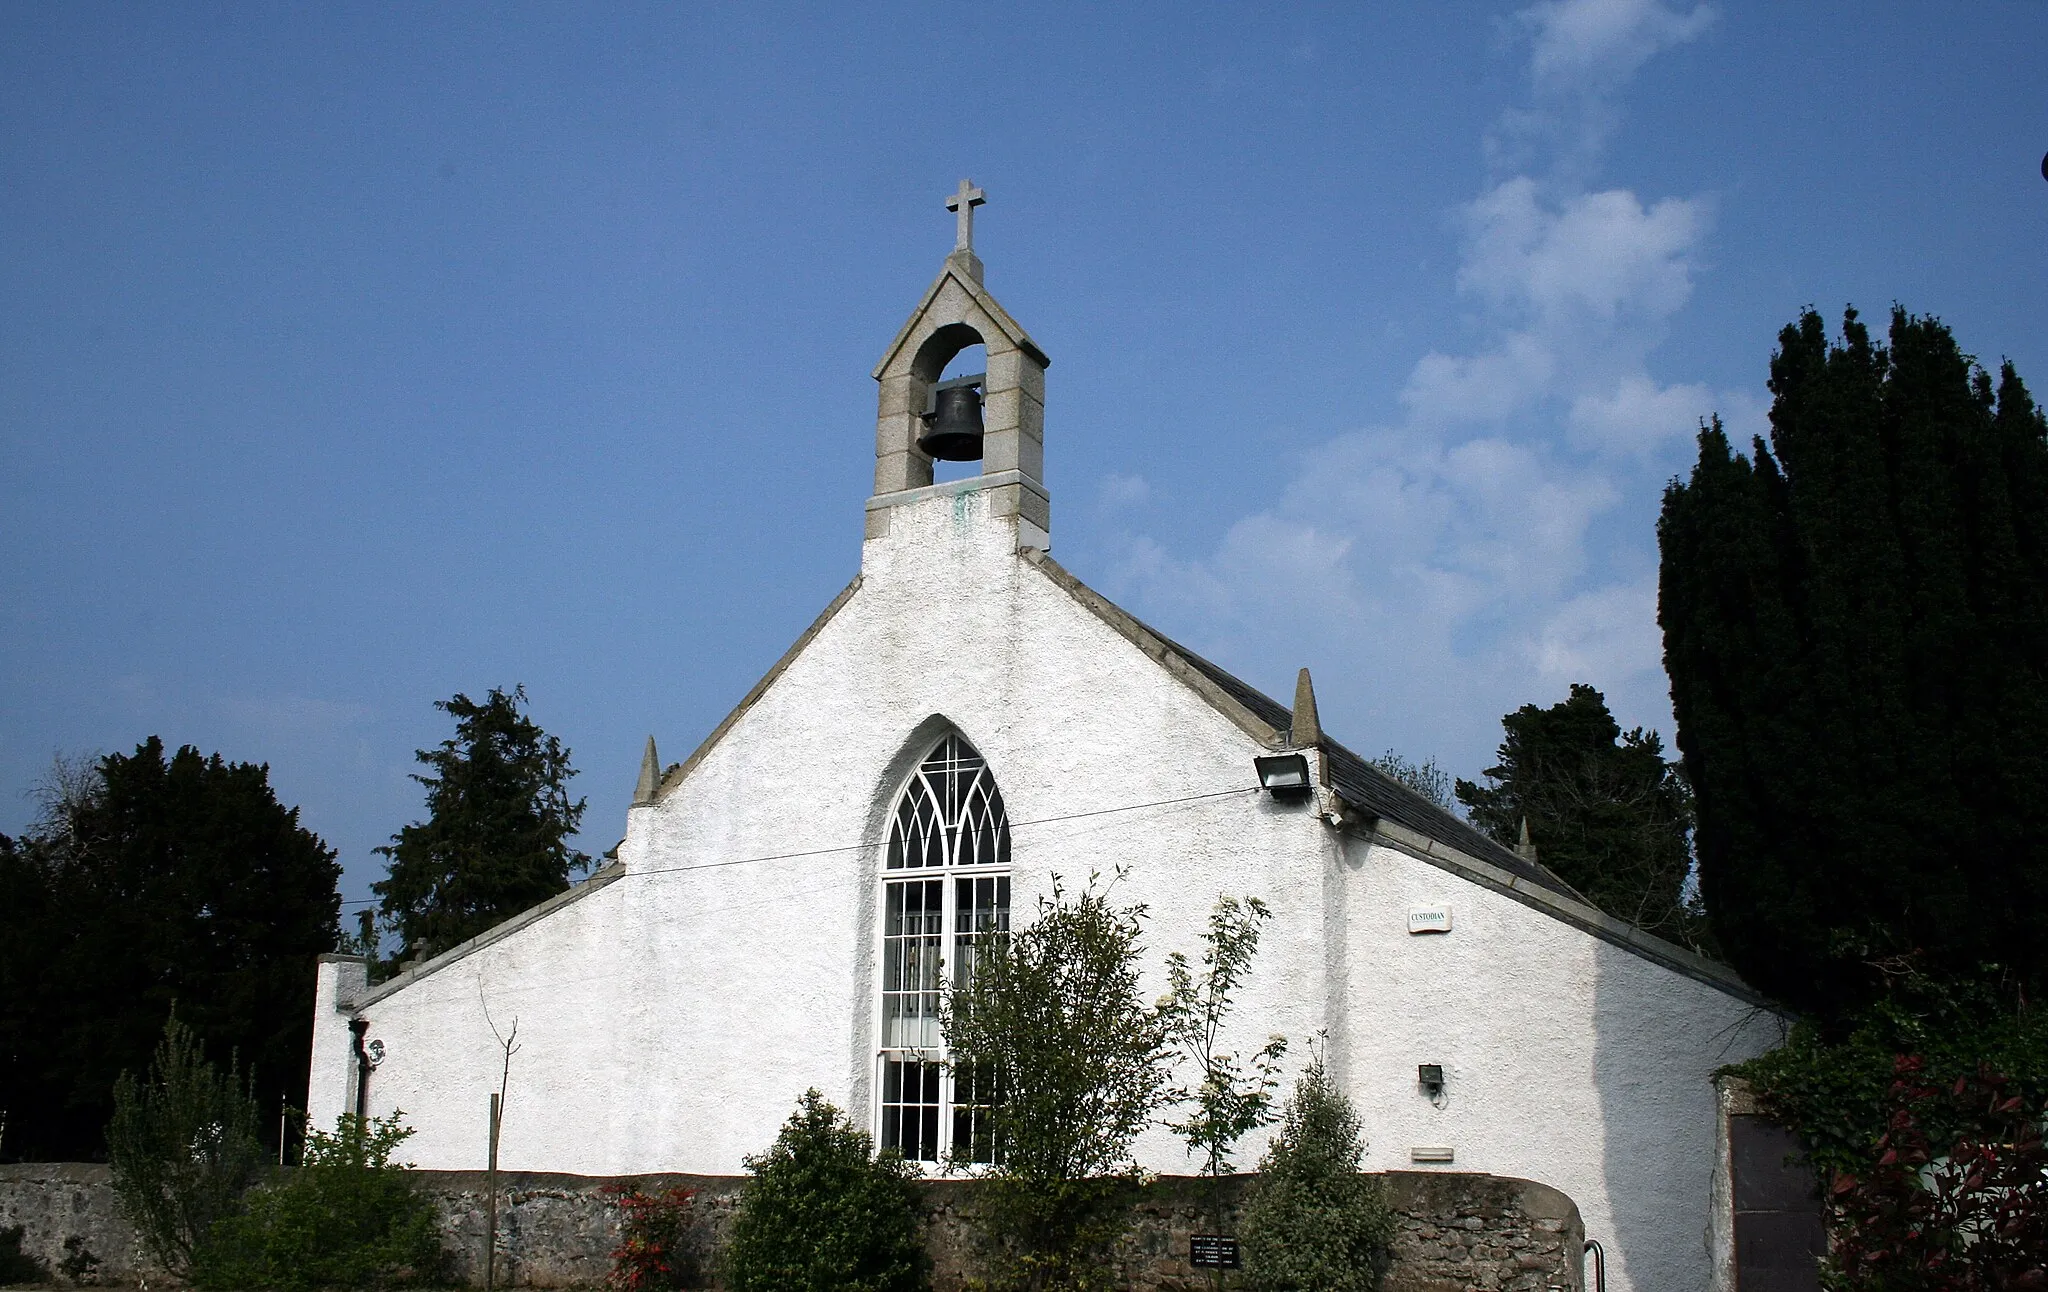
<point>348,1217</point>
<point>1075,1064</point>
<point>17,1266</point>
<point>183,1147</point>
<point>823,1212</point>
<point>1313,1223</point>
<point>1835,1089</point>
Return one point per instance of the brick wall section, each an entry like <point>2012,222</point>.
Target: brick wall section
<point>1456,1232</point>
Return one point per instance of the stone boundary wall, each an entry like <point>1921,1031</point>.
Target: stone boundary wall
<point>1455,1232</point>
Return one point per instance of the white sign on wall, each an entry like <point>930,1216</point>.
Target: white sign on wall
<point>1430,919</point>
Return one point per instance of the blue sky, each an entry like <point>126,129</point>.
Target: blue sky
<point>352,356</point>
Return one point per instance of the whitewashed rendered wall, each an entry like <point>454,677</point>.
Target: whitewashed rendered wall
<point>669,1020</point>
<point>1568,1060</point>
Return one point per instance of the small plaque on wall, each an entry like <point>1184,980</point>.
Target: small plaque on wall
<point>1432,1153</point>
<point>1429,919</point>
<point>1212,1252</point>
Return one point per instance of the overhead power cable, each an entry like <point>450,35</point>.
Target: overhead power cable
<point>857,847</point>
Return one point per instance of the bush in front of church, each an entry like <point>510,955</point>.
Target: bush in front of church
<point>1313,1222</point>
<point>183,1147</point>
<point>823,1213</point>
<point>347,1217</point>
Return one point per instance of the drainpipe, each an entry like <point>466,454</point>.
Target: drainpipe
<point>358,1027</point>
<point>1599,1264</point>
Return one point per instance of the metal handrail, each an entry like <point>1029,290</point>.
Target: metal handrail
<point>1599,1263</point>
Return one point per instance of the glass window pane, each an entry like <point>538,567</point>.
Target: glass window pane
<point>951,814</point>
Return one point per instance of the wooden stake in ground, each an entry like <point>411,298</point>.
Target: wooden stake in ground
<point>491,1203</point>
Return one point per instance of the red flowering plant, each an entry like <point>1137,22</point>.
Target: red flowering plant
<point>1970,1218</point>
<point>654,1250</point>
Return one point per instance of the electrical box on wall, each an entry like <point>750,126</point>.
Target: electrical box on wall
<point>1429,919</point>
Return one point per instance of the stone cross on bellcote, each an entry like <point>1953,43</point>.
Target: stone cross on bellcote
<point>963,202</point>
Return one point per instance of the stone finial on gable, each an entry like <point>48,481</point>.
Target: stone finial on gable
<point>958,312</point>
<point>1307,728</point>
<point>1525,848</point>
<point>650,776</point>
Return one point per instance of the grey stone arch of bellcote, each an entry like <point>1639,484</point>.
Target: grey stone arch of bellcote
<point>958,312</point>
<point>888,787</point>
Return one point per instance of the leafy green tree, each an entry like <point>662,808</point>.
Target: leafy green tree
<point>497,835</point>
<point>1603,808</point>
<point>1312,1221</point>
<point>822,1213</point>
<point>1076,1065</point>
<point>1856,629</point>
<point>347,1217</point>
<point>149,880</point>
<point>1425,778</point>
<point>1231,1098</point>
<point>183,1146</point>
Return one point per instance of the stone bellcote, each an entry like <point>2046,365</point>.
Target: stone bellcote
<point>958,312</point>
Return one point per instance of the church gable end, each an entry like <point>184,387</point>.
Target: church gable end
<point>965,723</point>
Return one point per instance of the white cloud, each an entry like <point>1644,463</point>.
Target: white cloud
<point>1464,560</point>
<point>1588,258</point>
<point>1581,54</point>
<point>1636,415</point>
<point>1608,633</point>
<point>1119,492</point>
<point>1593,46</point>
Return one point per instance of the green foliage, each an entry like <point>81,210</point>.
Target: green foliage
<point>183,1148</point>
<point>1856,629</point>
<point>496,837</point>
<point>17,1266</point>
<point>654,1250</point>
<point>1606,812</point>
<point>1425,778</point>
<point>1080,1062</point>
<point>1836,1091</point>
<point>822,1213</point>
<point>1958,1211</point>
<point>1313,1222</point>
<point>1230,1100</point>
<point>152,878</point>
<point>347,1217</point>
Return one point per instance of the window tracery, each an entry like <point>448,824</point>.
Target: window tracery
<point>946,879</point>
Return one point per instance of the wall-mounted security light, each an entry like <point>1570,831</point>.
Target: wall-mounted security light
<point>1284,776</point>
<point>1430,1076</point>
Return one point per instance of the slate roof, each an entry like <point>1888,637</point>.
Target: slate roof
<point>1371,790</point>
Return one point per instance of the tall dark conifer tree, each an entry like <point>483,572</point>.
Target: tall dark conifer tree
<point>1856,629</point>
<point>1603,808</point>
<point>496,837</point>
<point>159,881</point>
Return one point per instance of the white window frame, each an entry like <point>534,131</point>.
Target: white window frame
<point>974,826</point>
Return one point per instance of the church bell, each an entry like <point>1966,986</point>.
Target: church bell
<point>953,427</point>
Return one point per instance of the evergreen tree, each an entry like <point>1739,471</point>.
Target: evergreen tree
<point>1856,628</point>
<point>1604,809</point>
<point>1312,1222</point>
<point>821,1213</point>
<point>496,837</point>
<point>155,880</point>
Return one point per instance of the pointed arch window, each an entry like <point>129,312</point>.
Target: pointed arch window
<point>946,883</point>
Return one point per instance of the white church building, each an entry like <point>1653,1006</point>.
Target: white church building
<point>963,722</point>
